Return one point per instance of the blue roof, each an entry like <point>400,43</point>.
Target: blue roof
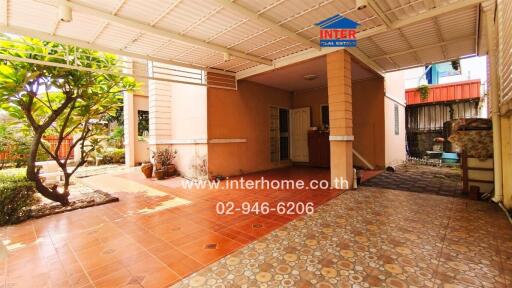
<point>337,22</point>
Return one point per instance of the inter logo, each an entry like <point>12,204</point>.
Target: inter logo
<point>338,31</point>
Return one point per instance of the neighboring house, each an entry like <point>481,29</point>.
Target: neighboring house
<point>426,118</point>
<point>457,90</point>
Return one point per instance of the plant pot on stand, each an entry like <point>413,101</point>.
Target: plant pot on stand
<point>164,162</point>
<point>147,170</point>
<point>170,170</point>
<point>160,174</point>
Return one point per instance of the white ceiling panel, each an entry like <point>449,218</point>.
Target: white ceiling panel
<point>207,22</point>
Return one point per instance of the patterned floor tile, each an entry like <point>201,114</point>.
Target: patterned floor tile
<point>371,238</point>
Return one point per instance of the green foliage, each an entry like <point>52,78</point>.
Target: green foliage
<point>17,194</point>
<point>116,137</point>
<point>423,89</point>
<point>87,98</point>
<point>113,156</point>
<point>16,146</point>
<point>48,100</point>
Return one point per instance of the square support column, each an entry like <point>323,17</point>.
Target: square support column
<point>339,90</point>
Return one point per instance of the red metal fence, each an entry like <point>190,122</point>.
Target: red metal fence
<point>445,92</point>
<point>65,146</point>
<point>52,141</point>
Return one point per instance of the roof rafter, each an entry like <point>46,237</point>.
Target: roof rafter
<point>424,47</point>
<point>420,17</point>
<point>268,23</point>
<point>105,23</point>
<point>153,22</point>
<point>153,30</point>
<point>86,45</point>
<point>384,18</point>
<point>6,15</point>
<point>440,34</point>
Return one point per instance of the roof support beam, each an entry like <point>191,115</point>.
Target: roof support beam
<point>86,45</point>
<point>435,12</point>
<point>423,16</point>
<point>6,15</point>
<point>153,30</point>
<point>105,23</point>
<point>260,19</point>
<point>382,16</point>
<point>424,47</point>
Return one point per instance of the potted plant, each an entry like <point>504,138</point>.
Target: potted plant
<point>160,174</point>
<point>147,169</point>
<point>423,90</point>
<point>164,166</point>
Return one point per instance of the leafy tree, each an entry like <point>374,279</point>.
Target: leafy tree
<point>50,100</point>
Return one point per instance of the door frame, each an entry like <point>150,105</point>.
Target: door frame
<point>291,128</point>
<point>289,133</point>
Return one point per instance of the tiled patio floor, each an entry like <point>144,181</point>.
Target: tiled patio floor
<point>422,179</point>
<point>157,234</point>
<point>376,238</point>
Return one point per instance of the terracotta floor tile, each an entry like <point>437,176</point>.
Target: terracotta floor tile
<point>180,263</point>
<point>369,236</point>
<point>117,279</point>
<point>209,248</point>
<point>236,235</point>
<point>151,272</point>
<point>256,226</point>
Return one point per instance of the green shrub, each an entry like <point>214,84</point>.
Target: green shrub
<point>17,194</point>
<point>113,156</point>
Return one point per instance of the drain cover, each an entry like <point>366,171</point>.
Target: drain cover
<point>136,280</point>
<point>257,225</point>
<point>109,251</point>
<point>211,246</point>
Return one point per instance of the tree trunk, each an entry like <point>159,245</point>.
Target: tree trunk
<point>33,175</point>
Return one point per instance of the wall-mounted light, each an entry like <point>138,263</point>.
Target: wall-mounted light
<point>310,77</point>
<point>227,57</point>
<point>361,4</point>
<point>65,13</point>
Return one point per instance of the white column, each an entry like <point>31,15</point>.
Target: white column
<point>130,130</point>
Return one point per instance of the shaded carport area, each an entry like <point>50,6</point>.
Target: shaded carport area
<point>378,235</point>
<point>245,38</point>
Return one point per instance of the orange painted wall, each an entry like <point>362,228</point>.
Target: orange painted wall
<point>312,98</point>
<point>368,116</point>
<point>242,114</point>
<point>368,111</point>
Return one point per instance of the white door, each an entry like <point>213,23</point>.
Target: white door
<point>300,121</point>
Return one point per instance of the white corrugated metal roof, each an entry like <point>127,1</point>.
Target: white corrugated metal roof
<point>212,22</point>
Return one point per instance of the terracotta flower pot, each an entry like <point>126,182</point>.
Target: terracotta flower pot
<point>160,174</point>
<point>147,170</point>
<point>170,170</point>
